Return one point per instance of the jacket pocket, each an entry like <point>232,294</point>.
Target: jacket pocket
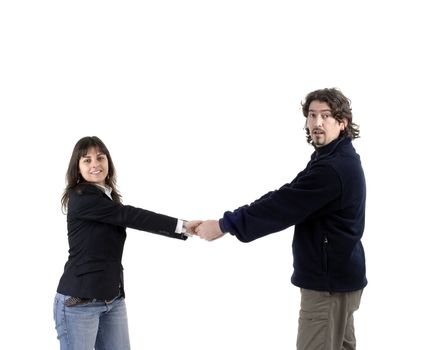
<point>325,243</point>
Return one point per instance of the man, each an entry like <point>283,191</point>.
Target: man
<point>326,203</point>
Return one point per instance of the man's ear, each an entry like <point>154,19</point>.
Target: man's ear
<point>344,123</point>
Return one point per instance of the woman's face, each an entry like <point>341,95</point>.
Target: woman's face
<point>93,167</point>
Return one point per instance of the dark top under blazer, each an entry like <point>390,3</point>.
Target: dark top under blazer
<point>326,203</point>
<point>96,236</point>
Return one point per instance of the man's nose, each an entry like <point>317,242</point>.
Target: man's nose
<point>319,120</point>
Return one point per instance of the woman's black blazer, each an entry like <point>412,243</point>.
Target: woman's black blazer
<point>96,236</point>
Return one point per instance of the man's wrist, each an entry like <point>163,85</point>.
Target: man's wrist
<point>221,226</point>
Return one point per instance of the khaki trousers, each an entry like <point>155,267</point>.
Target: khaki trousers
<point>326,320</point>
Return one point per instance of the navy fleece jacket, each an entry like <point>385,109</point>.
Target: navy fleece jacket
<point>326,203</point>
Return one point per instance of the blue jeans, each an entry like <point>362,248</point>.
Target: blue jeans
<point>95,325</point>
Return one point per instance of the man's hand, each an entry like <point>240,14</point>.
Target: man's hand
<point>209,230</point>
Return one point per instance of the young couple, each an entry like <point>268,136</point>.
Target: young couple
<point>325,202</point>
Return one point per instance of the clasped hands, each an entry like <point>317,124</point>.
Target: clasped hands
<point>208,229</point>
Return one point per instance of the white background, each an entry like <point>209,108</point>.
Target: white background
<point>199,104</point>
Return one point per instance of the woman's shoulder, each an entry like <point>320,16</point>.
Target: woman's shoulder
<point>86,188</point>
<point>84,195</point>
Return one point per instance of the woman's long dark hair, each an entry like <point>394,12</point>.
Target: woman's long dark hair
<point>73,176</point>
<point>340,107</point>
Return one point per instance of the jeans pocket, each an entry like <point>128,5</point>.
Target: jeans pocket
<point>59,315</point>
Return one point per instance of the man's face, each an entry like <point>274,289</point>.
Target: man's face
<point>323,127</point>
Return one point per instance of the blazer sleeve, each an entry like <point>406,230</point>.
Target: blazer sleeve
<point>89,203</point>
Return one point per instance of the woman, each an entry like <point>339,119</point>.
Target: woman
<point>89,308</point>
